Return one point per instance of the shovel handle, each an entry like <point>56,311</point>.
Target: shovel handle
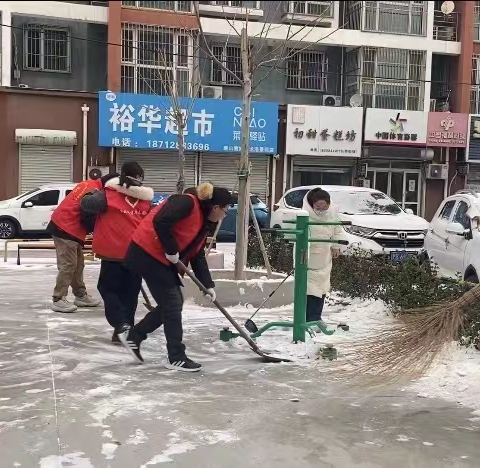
<point>183,269</point>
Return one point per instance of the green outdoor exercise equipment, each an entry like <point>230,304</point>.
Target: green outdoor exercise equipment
<point>299,324</point>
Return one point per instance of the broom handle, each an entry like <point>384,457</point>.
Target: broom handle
<point>241,332</point>
<point>145,297</point>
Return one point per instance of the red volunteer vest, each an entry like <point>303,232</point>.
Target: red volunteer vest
<point>114,228</point>
<point>185,232</point>
<point>67,214</point>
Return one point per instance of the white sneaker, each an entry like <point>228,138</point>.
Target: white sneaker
<point>86,301</point>
<point>64,306</point>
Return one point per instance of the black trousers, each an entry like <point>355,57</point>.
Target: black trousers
<point>315,308</point>
<point>119,288</point>
<point>169,313</point>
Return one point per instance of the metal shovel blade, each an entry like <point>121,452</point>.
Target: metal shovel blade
<point>267,357</point>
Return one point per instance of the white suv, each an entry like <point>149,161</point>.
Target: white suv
<point>453,239</point>
<point>378,225</point>
<point>31,211</point>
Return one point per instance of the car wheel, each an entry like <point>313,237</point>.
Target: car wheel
<point>7,229</point>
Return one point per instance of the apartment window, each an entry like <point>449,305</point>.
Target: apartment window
<point>393,78</point>
<point>230,56</point>
<point>158,5</point>
<point>476,22</point>
<point>232,3</point>
<point>46,48</point>
<point>324,9</point>
<point>475,91</point>
<point>306,70</point>
<point>156,60</point>
<point>398,17</point>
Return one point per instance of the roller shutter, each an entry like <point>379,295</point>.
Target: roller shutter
<point>161,168</point>
<point>40,165</point>
<point>221,169</point>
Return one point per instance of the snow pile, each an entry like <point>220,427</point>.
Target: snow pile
<point>454,378</point>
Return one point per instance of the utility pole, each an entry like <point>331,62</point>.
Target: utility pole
<point>181,124</point>
<point>243,166</point>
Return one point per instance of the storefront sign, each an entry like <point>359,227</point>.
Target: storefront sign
<point>447,129</point>
<point>393,127</point>
<point>473,147</point>
<point>324,131</point>
<point>146,121</point>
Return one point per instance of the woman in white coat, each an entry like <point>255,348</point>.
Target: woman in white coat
<point>320,209</point>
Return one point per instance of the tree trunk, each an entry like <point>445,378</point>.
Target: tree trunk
<point>243,167</point>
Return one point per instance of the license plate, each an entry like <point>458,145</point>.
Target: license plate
<point>399,256</point>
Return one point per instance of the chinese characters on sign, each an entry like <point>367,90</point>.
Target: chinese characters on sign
<point>324,131</point>
<point>391,127</point>
<point>148,121</point>
<point>447,129</point>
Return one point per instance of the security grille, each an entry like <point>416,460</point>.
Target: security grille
<point>324,9</point>
<point>233,3</point>
<point>230,56</point>
<point>397,17</point>
<point>156,60</point>
<point>392,78</point>
<point>46,48</point>
<point>307,70</point>
<point>475,91</point>
<point>158,5</point>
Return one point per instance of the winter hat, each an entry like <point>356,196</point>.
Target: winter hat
<point>214,195</point>
<point>131,174</point>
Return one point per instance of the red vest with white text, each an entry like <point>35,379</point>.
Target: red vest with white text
<point>67,215</point>
<point>114,228</point>
<point>185,232</point>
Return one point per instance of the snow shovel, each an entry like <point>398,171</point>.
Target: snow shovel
<point>250,324</point>
<point>147,302</point>
<point>267,358</point>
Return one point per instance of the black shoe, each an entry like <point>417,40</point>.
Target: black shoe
<point>131,342</point>
<point>116,339</point>
<point>183,365</point>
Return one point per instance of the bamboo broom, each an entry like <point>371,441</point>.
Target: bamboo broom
<point>408,347</point>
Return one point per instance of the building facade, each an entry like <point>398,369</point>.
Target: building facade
<point>376,61</point>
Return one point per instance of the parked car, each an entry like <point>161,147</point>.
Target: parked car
<point>30,212</point>
<point>378,225</point>
<point>227,231</point>
<point>453,239</point>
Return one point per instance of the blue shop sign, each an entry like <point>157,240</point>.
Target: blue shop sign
<point>129,120</point>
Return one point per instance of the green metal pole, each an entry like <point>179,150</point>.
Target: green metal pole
<point>301,272</point>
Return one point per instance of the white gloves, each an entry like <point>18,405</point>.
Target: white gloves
<point>212,294</point>
<point>173,258</point>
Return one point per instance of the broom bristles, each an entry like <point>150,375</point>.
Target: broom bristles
<point>408,347</point>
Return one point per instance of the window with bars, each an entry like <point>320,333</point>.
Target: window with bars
<point>306,70</point>
<point>156,60</point>
<point>230,56</point>
<point>320,8</point>
<point>476,22</point>
<point>46,48</point>
<point>393,78</point>
<point>233,3</point>
<point>159,5</point>
<point>475,90</point>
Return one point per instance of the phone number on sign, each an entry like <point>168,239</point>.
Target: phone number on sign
<point>174,145</point>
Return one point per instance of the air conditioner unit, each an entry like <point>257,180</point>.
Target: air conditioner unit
<point>331,100</point>
<point>95,172</point>
<point>433,103</point>
<point>212,92</point>
<point>437,171</point>
<point>361,170</point>
<point>463,169</point>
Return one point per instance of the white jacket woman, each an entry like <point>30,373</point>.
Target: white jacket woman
<point>320,209</point>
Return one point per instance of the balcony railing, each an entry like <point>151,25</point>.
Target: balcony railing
<point>445,27</point>
<point>173,5</point>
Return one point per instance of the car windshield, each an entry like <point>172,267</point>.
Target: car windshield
<point>27,193</point>
<point>364,203</point>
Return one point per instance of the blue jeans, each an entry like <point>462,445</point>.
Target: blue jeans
<point>315,308</point>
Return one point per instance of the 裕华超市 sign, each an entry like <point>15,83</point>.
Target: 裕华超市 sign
<point>324,131</point>
<point>147,121</point>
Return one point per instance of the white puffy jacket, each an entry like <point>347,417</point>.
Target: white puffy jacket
<point>320,254</point>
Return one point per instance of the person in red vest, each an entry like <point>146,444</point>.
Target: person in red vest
<point>174,230</point>
<point>69,227</point>
<point>120,208</point>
